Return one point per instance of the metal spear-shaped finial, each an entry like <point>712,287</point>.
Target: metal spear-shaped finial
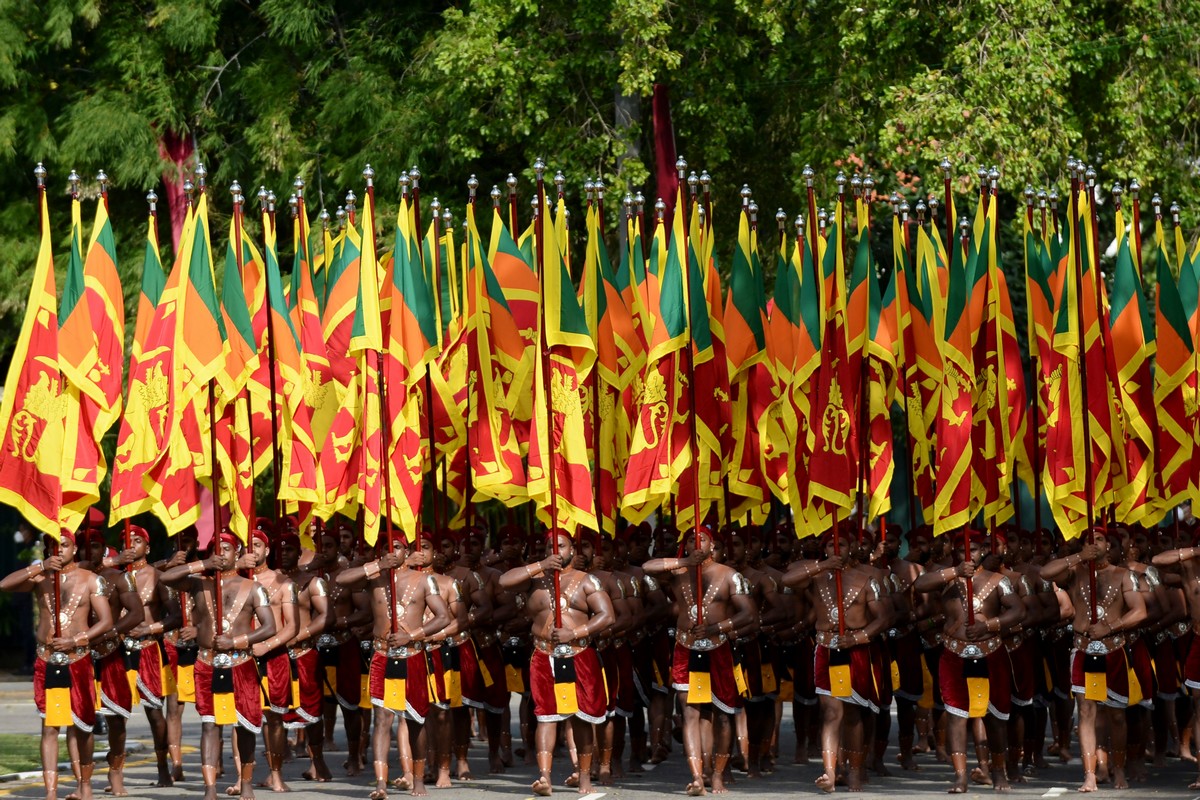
<point>152,201</point>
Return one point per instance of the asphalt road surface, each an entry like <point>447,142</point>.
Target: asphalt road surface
<point>1059,780</point>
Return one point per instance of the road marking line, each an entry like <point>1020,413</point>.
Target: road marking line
<point>1056,791</point>
<point>593,796</point>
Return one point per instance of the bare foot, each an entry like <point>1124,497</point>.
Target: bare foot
<point>210,792</point>
<point>980,777</point>
<point>496,765</point>
<point>606,776</point>
<point>353,767</point>
<point>942,756</point>
<point>177,773</point>
<point>880,769</point>
<point>275,783</point>
<point>1118,779</point>
<point>234,791</point>
<point>696,788</point>
<point>1089,783</point>
<point>960,784</point>
<point>908,762</point>
<point>1000,781</point>
<point>541,787</point>
<point>378,794</point>
<point>418,789</point>
<point>247,790</point>
<point>572,780</point>
<point>443,779</point>
<point>403,783</point>
<point>826,782</point>
<point>718,785</point>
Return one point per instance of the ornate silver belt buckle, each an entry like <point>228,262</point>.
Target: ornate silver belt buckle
<point>366,645</point>
<point>222,661</point>
<point>702,644</point>
<point>58,659</point>
<point>398,652</point>
<point>326,640</point>
<point>1096,649</point>
<point>562,651</point>
<point>512,641</point>
<point>893,633</point>
<point>972,651</point>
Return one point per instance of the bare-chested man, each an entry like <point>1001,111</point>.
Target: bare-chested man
<point>225,662</point>
<point>904,641</point>
<point>108,652</point>
<point>442,655</point>
<point>704,625</point>
<point>406,610</point>
<point>842,670</point>
<point>64,635</point>
<point>272,654</point>
<point>155,683</point>
<point>1187,561</point>
<point>566,678</point>
<point>1099,667</point>
<point>975,671</point>
<point>179,646</point>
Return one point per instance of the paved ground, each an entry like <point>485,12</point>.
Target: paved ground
<point>19,716</point>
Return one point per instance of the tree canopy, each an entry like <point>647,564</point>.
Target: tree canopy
<point>264,91</point>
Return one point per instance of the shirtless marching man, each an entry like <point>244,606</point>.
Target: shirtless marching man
<point>179,645</point>
<point>83,615</point>
<point>842,670</point>
<point>974,656</point>
<point>243,603</point>
<point>565,676</point>
<point>338,650</point>
<point>442,657</point>
<point>108,652</point>
<point>904,641</point>
<point>272,654</point>
<point>590,557</point>
<point>1187,561</point>
<point>703,662</point>
<point>400,598</point>
<point>312,607</point>
<point>1099,662</point>
<point>155,681</point>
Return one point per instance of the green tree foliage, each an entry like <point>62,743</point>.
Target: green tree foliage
<point>273,89</point>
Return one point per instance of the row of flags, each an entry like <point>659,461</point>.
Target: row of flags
<point>405,384</point>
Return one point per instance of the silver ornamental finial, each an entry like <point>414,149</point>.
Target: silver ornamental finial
<point>298,185</point>
<point>102,179</point>
<point>627,202</point>
<point>368,175</point>
<point>235,189</point>
<point>495,195</point>
<point>73,179</point>
<point>511,181</point>
<point>1175,209</point>
<point>539,168</point>
<point>894,201</point>
<point>201,174</point>
<point>560,181</point>
<point>681,166</point>
<point>294,205</point>
<point>822,218</point>
<point>188,189</point>
<point>1054,199</point>
<point>1028,195</point>
<point>600,189</point>
<point>589,188</point>
<point>994,177</point>
<point>840,180</point>
<point>753,210</point>
<point>1043,198</point>
<point>639,200</point>
<point>745,194</point>
<point>855,185</point>
<point>152,200</point>
<point>351,198</point>
<point>1117,191</point>
<point>808,174</point>
<point>271,201</point>
<point>1156,201</point>
<point>262,197</point>
<point>1071,162</point>
<point>414,175</point>
<point>921,211</point>
<point>435,207</point>
<point>781,219</point>
<point>945,167</point>
<point>705,179</point>
<point>405,182</point>
<point>660,209</point>
<point>963,226</point>
<point>324,217</point>
<point>39,173</point>
<point>868,187</point>
<point>535,205</point>
<point>904,209</point>
<point>1134,188</point>
<point>1090,175</point>
<point>982,174</point>
<point>472,186</point>
<point>341,217</point>
<point>799,223</point>
<point>933,207</point>
<point>447,218</point>
<point>693,182</point>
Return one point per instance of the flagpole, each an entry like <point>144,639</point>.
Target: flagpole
<point>693,438</point>
<point>539,169</point>
<point>1090,176</point>
<point>589,188</point>
<point>1136,231</point>
<point>947,206</point>
<point>511,183</point>
<point>266,200</point>
<point>1076,170</point>
<point>963,227</point>
<point>860,191</point>
<point>434,209</point>
<point>39,172</point>
<point>1037,390</point>
<point>901,208</point>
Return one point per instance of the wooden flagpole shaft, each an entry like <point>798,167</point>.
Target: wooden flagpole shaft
<point>1089,490</point>
<point>970,581</point>
<point>218,600</point>
<point>435,206</point>
<point>267,201</point>
<point>1035,370</point>
<point>540,212</point>
<point>55,579</point>
<point>693,437</point>
<point>594,378</point>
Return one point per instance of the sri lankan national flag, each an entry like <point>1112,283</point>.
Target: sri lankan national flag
<point>198,339</point>
<point>496,358</point>
<point>558,443</point>
<point>617,345</point>
<point>953,507</point>
<point>411,346</point>
<point>649,475</point>
<point>777,422</point>
<point>808,256</point>
<point>1130,356</point>
<point>511,263</point>
<point>1174,385</point>
<point>833,433</point>
<point>31,413</point>
<point>366,343</point>
<point>127,496</point>
<point>746,323</point>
